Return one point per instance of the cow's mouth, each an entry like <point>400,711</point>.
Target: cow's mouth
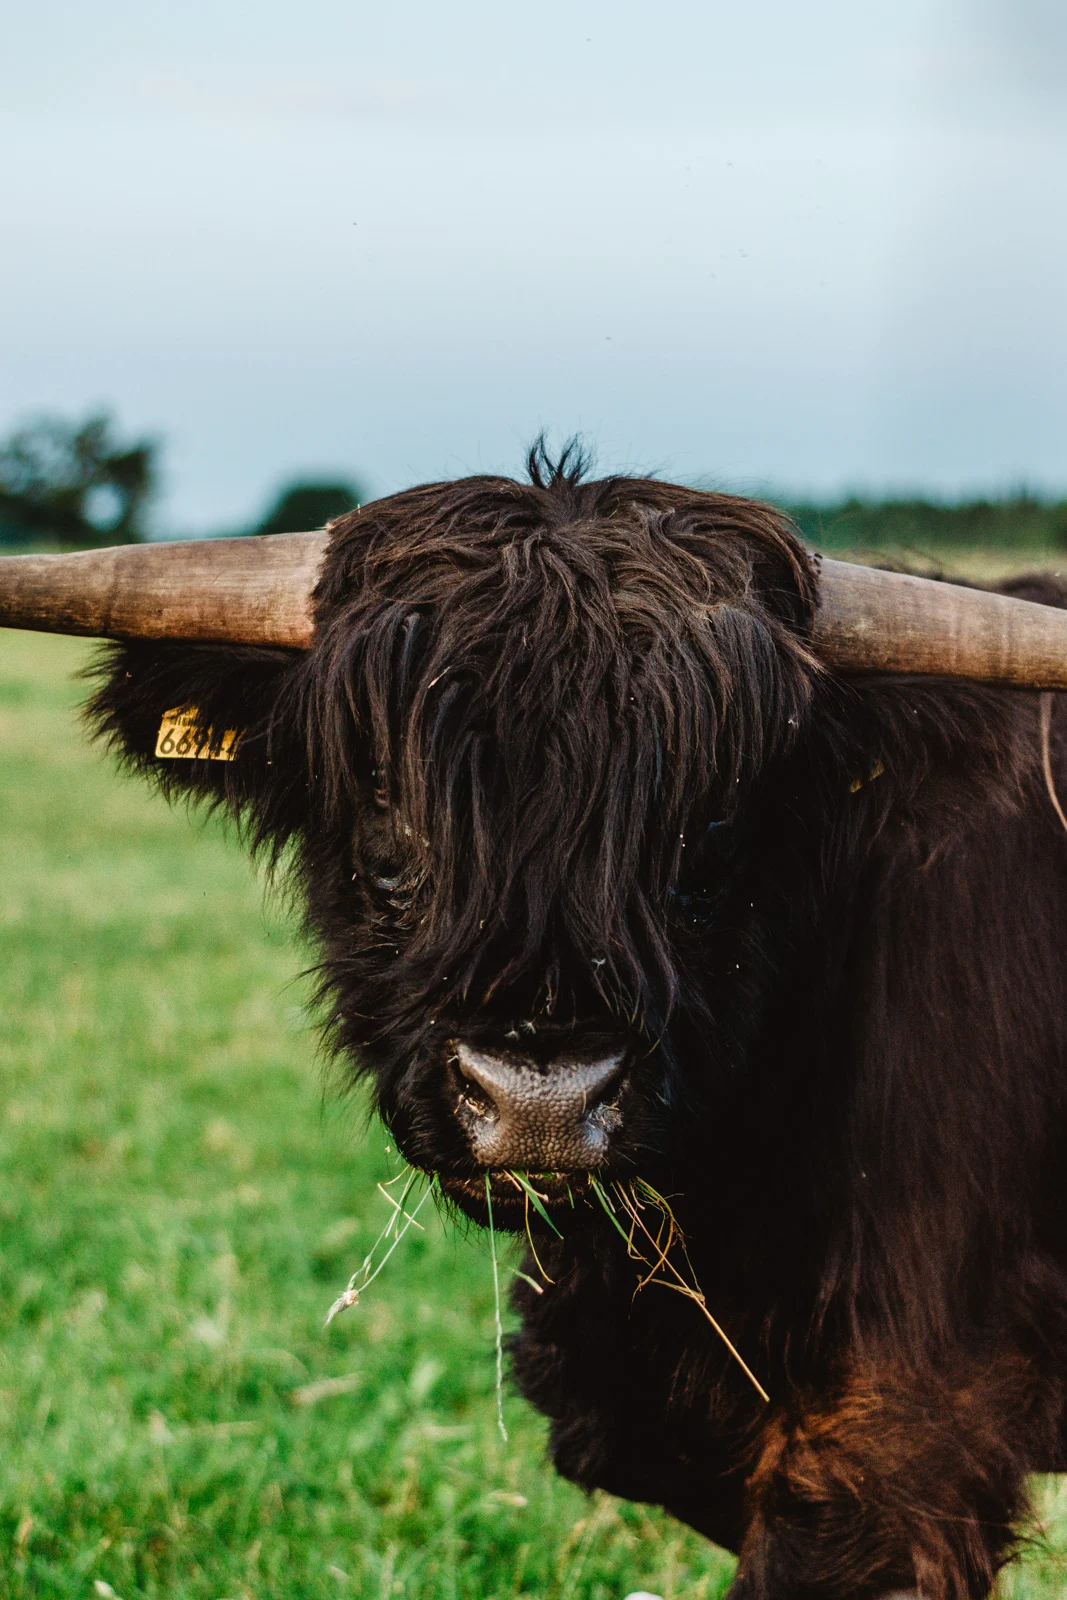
<point>520,1200</point>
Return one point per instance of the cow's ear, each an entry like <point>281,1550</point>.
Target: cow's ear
<point>217,722</point>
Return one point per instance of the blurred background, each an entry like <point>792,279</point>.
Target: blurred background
<point>814,252</point>
<point>259,264</point>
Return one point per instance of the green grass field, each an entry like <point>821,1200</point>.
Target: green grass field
<point>179,1204</point>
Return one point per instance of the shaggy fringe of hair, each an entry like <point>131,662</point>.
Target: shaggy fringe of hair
<point>555,689</point>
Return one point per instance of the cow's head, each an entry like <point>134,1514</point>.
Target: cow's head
<point>512,774</point>
<point>533,714</point>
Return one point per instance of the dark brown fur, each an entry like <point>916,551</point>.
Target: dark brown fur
<point>561,752</point>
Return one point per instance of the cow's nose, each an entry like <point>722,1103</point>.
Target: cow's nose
<point>551,1117</point>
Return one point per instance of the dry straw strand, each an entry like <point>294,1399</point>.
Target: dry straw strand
<point>365,1275</point>
<point>661,1269</point>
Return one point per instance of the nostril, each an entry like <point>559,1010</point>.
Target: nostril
<point>490,1089</point>
<point>602,1087</point>
<point>474,1096</point>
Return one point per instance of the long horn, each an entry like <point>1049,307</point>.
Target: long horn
<point>871,621</point>
<point>258,591</point>
<point>242,591</point>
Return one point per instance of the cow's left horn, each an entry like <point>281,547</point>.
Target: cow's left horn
<point>242,591</point>
<point>872,621</point>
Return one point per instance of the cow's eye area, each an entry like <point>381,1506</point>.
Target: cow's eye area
<point>374,847</point>
<point>387,883</point>
<point>379,860</point>
<point>377,864</point>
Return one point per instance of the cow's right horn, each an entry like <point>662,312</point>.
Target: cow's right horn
<point>241,591</point>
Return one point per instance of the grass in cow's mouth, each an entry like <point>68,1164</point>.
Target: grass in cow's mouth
<point>522,1182</point>
<point>653,1250</point>
<point>625,1207</point>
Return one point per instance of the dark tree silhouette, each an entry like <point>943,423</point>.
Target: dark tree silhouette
<point>303,506</point>
<point>74,483</point>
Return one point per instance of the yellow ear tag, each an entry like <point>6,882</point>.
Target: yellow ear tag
<point>177,738</point>
<point>858,783</point>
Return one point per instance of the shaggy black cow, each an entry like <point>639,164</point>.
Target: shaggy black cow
<point>617,886</point>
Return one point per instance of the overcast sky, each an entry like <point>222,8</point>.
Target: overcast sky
<point>804,247</point>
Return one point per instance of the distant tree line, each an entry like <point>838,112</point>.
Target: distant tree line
<point>76,484</point>
<point>1019,521</point>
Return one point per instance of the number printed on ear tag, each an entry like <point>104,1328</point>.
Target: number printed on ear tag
<point>177,738</point>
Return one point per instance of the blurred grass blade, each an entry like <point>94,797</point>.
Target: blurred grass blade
<point>496,1308</point>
